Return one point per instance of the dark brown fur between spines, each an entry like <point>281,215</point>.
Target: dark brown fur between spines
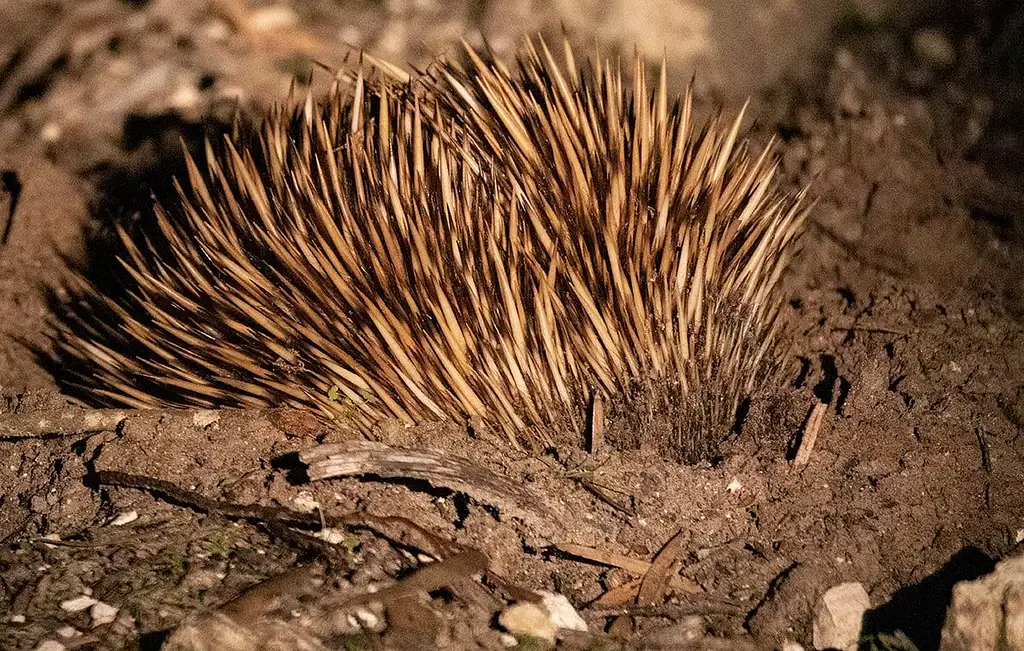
<point>473,244</point>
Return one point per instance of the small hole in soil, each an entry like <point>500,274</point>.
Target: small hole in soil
<point>848,296</point>
<point>741,416</point>
<point>294,469</point>
<point>153,641</point>
<point>844,392</point>
<point>824,389</point>
<point>461,501</point>
<point>11,184</point>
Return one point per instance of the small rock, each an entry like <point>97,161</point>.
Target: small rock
<point>839,616</point>
<point>351,36</point>
<point>16,619</point>
<point>987,614</point>
<point>270,18</point>
<point>367,619</point>
<point>205,417</point>
<point>933,48</point>
<point>561,613</point>
<point>51,132</point>
<point>125,518</point>
<point>50,645</point>
<point>102,613</point>
<point>789,645</point>
<point>184,97</point>
<point>77,604</point>
<point>217,30</point>
<point>305,502</point>
<point>68,632</point>
<point>332,536</point>
<point>528,619</point>
<point>734,486</point>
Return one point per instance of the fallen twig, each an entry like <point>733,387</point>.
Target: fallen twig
<point>673,611</point>
<point>437,467</point>
<point>71,421</point>
<point>656,581</point>
<point>810,435</point>
<point>75,421</point>
<point>628,563</point>
<point>618,596</point>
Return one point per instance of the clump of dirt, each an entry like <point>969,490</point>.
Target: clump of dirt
<point>904,319</point>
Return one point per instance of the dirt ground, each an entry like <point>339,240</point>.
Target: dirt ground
<point>904,311</point>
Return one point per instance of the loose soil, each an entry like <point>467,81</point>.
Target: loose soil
<point>904,311</point>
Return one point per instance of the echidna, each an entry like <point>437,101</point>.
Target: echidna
<point>469,243</point>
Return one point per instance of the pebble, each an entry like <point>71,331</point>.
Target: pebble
<point>839,615</point>
<point>331,535</point>
<point>50,645</point>
<point>527,619</point>
<point>305,502</point>
<point>184,97</point>
<point>51,132</point>
<point>67,632</point>
<point>125,518</point>
<point>269,18</point>
<point>933,48</point>
<point>206,417</point>
<point>78,604</point>
<point>102,613</point>
<point>561,613</point>
<point>367,619</point>
<point>217,30</point>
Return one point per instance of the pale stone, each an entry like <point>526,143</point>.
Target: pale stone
<point>77,604</point>
<point>838,619</point>
<point>102,613</point>
<point>526,619</point>
<point>561,613</point>
<point>125,518</point>
<point>933,48</point>
<point>987,614</point>
<point>271,18</point>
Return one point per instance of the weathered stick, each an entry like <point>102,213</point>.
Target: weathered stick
<point>437,467</point>
<point>70,421</point>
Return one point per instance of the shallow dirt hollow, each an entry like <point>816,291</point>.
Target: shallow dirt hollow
<point>904,311</point>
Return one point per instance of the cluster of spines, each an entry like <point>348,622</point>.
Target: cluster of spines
<point>466,244</point>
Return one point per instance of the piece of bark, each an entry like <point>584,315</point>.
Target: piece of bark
<point>439,468</point>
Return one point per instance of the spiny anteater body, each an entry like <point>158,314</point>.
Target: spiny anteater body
<point>466,244</point>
